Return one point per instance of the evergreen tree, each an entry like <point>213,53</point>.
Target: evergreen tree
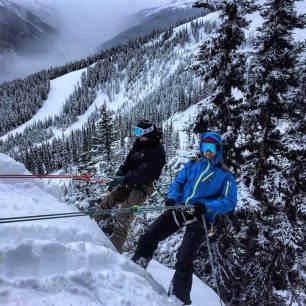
<point>263,254</point>
<point>274,147</point>
<point>83,190</point>
<point>106,125</point>
<point>220,60</point>
<point>104,138</point>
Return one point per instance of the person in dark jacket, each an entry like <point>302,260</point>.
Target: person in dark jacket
<point>210,189</point>
<point>135,177</point>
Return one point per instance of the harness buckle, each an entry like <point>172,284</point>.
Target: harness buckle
<point>211,231</point>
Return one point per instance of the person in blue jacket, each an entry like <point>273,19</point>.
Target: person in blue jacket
<point>210,189</point>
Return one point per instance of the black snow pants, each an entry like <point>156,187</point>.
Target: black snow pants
<point>163,227</point>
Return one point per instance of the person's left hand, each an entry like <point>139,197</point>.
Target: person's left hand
<point>199,210</point>
<point>117,181</point>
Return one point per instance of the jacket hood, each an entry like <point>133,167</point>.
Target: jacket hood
<point>217,137</point>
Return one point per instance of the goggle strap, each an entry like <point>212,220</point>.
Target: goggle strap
<point>148,130</point>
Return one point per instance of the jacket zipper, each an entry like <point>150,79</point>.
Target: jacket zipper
<point>227,185</point>
<point>197,183</point>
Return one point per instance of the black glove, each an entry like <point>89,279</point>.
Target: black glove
<point>121,194</point>
<point>117,181</point>
<point>120,173</point>
<point>199,210</point>
<point>170,202</point>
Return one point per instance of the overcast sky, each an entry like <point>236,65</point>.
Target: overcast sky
<point>83,25</point>
<point>93,21</point>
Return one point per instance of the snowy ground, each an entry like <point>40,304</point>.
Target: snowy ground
<point>70,261</point>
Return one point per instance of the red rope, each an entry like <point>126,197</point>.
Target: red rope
<point>83,177</point>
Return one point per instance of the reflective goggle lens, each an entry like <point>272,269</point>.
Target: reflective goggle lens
<point>208,146</point>
<point>138,131</point>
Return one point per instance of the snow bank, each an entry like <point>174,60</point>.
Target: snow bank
<point>201,295</point>
<point>70,261</point>
<point>62,261</point>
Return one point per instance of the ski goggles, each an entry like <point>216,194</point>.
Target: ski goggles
<point>140,132</point>
<point>208,146</point>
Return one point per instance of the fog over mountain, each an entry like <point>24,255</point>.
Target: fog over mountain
<point>148,20</point>
<point>81,26</point>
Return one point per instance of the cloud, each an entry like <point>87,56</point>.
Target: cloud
<point>83,25</point>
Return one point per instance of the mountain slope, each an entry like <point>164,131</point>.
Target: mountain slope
<point>152,19</point>
<point>139,70</point>
<point>21,31</point>
<point>43,9</point>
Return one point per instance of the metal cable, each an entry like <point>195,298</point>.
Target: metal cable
<point>211,259</point>
<point>133,209</point>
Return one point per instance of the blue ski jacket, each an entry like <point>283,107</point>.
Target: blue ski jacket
<point>204,181</point>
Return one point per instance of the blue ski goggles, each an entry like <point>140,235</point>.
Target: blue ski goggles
<point>140,131</point>
<point>208,146</point>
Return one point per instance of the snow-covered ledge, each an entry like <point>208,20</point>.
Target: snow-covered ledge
<point>70,261</point>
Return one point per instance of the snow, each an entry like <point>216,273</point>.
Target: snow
<point>237,94</point>
<point>181,120</point>
<point>282,126</point>
<point>257,20</point>
<point>179,4</point>
<point>300,34</point>
<point>245,199</point>
<point>70,261</point>
<point>198,296</point>
<point>60,89</point>
<point>118,101</point>
<point>99,101</point>
<point>173,4</point>
<point>207,18</point>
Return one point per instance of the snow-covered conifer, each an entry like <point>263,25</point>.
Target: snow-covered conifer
<point>221,60</point>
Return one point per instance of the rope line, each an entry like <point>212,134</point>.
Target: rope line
<point>90,212</point>
<point>82,177</point>
<point>211,259</point>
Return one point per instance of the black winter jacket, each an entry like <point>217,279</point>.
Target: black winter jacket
<point>144,162</point>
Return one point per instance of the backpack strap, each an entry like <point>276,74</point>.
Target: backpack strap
<point>224,167</point>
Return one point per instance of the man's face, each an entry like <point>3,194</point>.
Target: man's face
<point>209,149</point>
<point>209,155</point>
<point>143,138</point>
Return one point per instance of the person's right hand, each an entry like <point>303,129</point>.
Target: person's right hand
<point>120,173</point>
<point>170,202</point>
<point>199,210</point>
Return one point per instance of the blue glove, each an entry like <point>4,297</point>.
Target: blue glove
<point>117,181</point>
